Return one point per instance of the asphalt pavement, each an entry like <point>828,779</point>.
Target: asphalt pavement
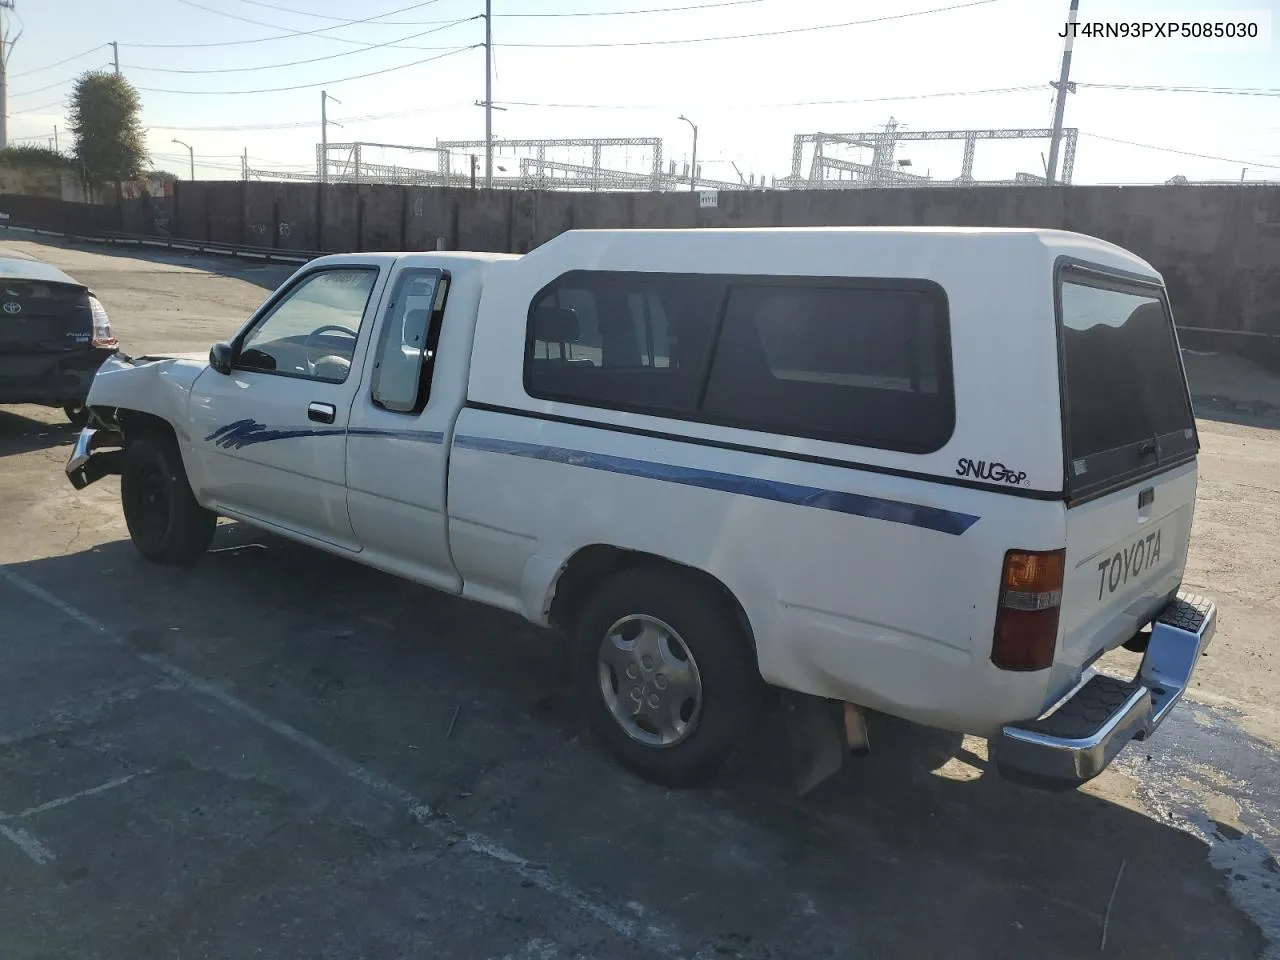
<point>279,753</point>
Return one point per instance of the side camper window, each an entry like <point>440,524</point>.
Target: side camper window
<point>863,362</point>
<point>866,366</point>
<point>625,340</point>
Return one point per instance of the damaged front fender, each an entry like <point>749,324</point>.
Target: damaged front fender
<point>157,388</point>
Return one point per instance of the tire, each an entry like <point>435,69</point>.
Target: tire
<point>165,522</point>
<point>694,618</point>
<point>77,413</point>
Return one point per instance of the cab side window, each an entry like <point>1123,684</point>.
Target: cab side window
<point>311,333</point>
<point>405,358</point>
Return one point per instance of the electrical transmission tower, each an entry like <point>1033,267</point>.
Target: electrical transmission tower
<point>6,50</point>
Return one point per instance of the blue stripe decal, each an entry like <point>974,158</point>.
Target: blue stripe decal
<point>246,433</point>
<point>878,508</point>
<point>417,436</point>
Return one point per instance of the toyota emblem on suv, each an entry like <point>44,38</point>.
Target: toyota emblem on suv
<point>12,306</point>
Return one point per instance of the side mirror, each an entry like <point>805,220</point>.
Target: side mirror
<point>220,357</point>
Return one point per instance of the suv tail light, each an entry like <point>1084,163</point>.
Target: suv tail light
<point>1027,619</point>
<point>101,325</point>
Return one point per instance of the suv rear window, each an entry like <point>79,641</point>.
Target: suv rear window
<point>1126,405</point>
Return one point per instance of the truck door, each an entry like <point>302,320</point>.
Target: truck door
<point>397,455</point>
<point>271,434</point>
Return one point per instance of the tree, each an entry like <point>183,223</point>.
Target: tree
<point>106,124</point>
<point>31,157</point>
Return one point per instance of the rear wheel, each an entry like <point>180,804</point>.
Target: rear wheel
<point>77,413</point>
<point>665,675</point>
<point>165,522</point>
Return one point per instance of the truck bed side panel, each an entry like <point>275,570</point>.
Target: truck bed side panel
<point>865,587</point>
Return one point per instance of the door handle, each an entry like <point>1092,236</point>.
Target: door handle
<point>321,412</point>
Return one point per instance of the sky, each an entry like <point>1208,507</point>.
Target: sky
<point>596,68</point>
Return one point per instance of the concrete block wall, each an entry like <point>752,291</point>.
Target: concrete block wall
<point>1217,246</point>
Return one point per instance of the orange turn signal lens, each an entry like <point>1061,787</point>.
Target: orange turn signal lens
<point>1034,572</point>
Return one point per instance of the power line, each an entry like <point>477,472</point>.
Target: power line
<point>300,124</point>
<point>311,32</point>
<point>321,83</point>
<point>43,106</point>
<point>48,66</point>
<point>1184,153</point>
<point>50,86</point>
<point>573,13</point>
<point>627,13</point>
<point>280,36</point>
<point>1157,88</point>
<point>751,36</point>
<point>298,63</point>
<point>763,106</point>
<point>176,158</point>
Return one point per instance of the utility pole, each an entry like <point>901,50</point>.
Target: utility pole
<point>1060,106</point>
<point>115,56</point>
<point>6,48</point>
<point>56,149</point>
<point>488,93</point>
<point>244,164</point>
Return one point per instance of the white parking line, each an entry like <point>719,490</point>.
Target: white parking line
<point>63,801</point>
<point>28,844</point>
<point>651,935</point>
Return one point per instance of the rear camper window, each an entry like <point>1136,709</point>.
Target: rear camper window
<point>1126,405</point>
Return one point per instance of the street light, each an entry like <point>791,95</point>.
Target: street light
<point>693,167</point>
<point>193,156</point>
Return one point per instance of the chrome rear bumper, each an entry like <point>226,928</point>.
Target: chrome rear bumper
<point>1082,735</point>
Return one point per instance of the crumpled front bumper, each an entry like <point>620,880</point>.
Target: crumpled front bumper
<point>88,463</point>
<point>1080,737</point>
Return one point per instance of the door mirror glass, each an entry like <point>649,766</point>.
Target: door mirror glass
<point>220,357</point>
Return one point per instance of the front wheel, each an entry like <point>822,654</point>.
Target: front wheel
<point>665,675</point>
<point>165,522</point>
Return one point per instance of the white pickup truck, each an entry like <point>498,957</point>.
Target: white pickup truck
<point>931,472</point>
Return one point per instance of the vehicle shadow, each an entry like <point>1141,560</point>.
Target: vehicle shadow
<point>918,850</point>
<point>24,434</point>
<point>1233,389</point>
<point>1244,413</point>
<point>265,275</point>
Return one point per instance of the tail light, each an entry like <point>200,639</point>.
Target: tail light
<point>101,325</point>
<point>1030,600</point>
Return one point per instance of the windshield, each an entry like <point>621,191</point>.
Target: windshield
<point>1126,402</point>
